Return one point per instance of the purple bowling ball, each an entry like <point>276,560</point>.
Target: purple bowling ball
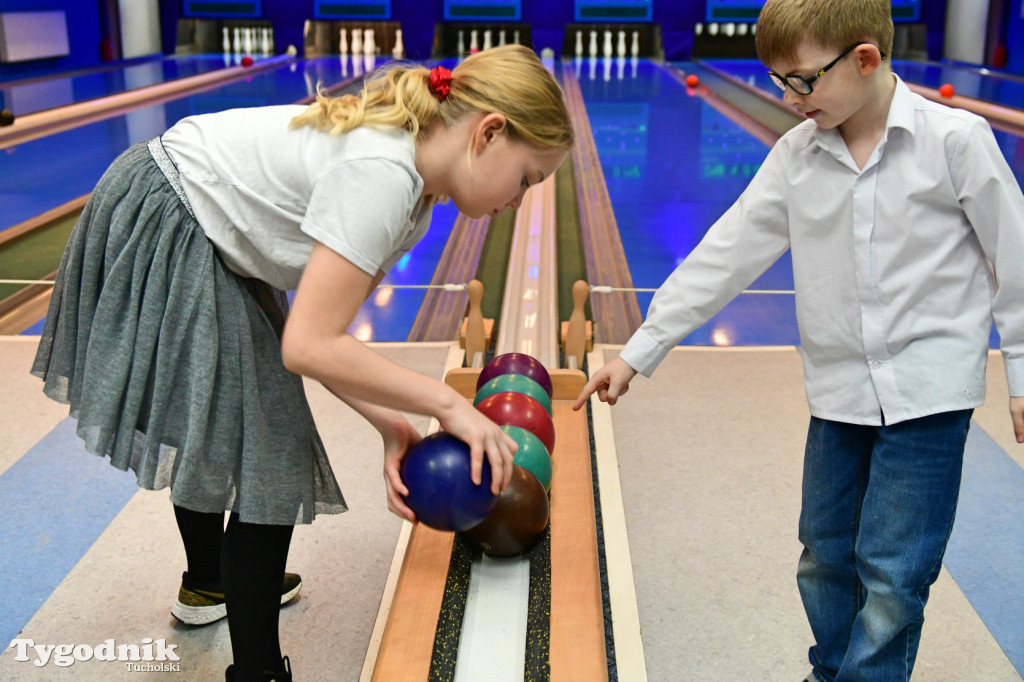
<point>515,363</point>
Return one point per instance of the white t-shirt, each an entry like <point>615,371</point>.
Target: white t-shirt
<point>263,192</point>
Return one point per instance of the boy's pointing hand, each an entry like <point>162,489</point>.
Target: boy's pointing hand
<point>609,382</point>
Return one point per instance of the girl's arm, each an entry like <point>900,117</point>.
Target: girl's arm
<point>316,343</point>
<point>398,435</point>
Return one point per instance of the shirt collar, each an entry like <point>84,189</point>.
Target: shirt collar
<point>901,115</point>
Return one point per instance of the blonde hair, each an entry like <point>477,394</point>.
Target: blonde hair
<point>510,80</point>
<point>784,24</point>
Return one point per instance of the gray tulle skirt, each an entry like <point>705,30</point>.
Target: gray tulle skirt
<point>171,362</point>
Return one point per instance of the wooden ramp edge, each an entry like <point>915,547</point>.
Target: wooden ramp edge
<point>577,636</point>
<point>577,611</point>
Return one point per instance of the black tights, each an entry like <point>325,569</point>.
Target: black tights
<point>249,559</point>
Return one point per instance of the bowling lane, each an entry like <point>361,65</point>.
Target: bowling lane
<point>990,87</point>
<point>45,173</point>
<point>673,165</point>
<point>29,96</point>
<point>976,83</point>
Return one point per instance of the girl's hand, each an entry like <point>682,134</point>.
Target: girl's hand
<point>484,437</point>
<point>610,382</point>
<point>397,440</point>
<point>1017,415</point>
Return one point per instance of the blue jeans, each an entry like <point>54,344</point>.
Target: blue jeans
<point>878,507</point>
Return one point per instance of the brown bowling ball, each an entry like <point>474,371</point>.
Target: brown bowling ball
<point>518,519</point>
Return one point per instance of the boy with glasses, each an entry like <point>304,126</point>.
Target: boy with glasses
<point>906,228</point>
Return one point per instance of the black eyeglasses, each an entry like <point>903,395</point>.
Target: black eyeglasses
<point>802,85</point>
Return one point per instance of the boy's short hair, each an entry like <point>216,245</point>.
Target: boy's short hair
<point>784,24</point>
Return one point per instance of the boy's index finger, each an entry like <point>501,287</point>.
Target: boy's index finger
<point>588,390</point>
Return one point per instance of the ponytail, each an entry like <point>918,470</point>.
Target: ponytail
<point>510,80</point>
<point>396,97</point>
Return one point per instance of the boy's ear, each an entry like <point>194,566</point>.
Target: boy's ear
<point>489,127</point>
<point>868,58</point>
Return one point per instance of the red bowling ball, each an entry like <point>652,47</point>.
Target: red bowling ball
<point>518,409</point>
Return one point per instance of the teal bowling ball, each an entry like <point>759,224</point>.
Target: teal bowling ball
<point>516,383</point>
<point>531,455</point>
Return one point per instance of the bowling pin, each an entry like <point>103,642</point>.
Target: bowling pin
<point>501,37</point>
<point>225,40</point>
<point>713,29</point>
<point>474,44</point>
<point>247,40</point>
<point>270,35</point>
<point>621,47</point>
<point>608,52</point>
<point>698,29</point>
<point>368,46</point>
<point>515,37</point>
<point>487,40</point>
<point>635,47</point>
<point>238,39</point>
<point>398,52</point>
<point>357,43</point>
<point>593,43</point>
<point>742,29</point>
<point>462,43</point>
<point>730,29</point>
<point>266,41</point>
<point>579,43</point>
<point>343,43</point>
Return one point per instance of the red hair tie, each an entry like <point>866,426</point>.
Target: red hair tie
<point>440,82</point>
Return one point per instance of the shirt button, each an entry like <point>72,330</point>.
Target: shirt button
<point>875,364</point>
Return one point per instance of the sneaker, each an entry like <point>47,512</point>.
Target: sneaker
<point>283,675</point>
<point>202,604</point>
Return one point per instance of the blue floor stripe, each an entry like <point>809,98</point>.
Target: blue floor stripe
<point>985,554</point>
<point>55,501</point>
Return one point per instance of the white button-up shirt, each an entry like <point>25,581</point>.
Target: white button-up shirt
<point>899,267</point>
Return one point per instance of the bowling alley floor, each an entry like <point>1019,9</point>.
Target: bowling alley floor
<point>123,580</point>
<point>709,458</point>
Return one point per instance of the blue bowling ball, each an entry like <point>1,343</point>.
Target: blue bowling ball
<point>441,493</point>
